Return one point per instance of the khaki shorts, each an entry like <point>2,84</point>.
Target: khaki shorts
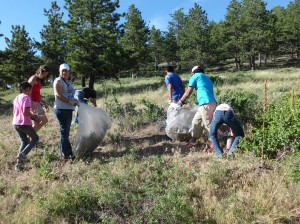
<point>37,107</point>
<point>202,119</point>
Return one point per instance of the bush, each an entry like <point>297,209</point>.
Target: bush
<point>245,103</point>
<point>280,132</point>
<point>129,118</point>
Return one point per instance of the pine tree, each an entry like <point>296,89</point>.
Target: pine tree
<point>174,35</point>
<point>194,37</point>
<point>233,45</point>
<point>134,39</point>
<point>21,63</point>
<point>291,28</point>
<point>254,29</point>
<point>156,42</point>
<point>170,49</point>
<point>92,39</point>
<point>53,44</point>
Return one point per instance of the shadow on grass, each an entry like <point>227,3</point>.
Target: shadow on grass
<point>156,145</point>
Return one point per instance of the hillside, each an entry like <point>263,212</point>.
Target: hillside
<point>138,175</point>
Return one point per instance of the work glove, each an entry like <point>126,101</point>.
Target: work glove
<point>74,102</point>
<point>179,103</point>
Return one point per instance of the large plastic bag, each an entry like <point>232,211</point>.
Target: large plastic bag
<point>93,123</point>
<point>179,122</point>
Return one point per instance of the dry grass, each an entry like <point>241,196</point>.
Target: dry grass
<point>144,177</point>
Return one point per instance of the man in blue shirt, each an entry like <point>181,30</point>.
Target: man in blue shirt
<point>174,84</point>
<point>206,101</point>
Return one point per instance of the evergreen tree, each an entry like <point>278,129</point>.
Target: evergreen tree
<point>170,49</point>
<point>53,44</point>
<point>174,35</point>
<point>21,63</point>
<point>156,42</point>
<point>134,39</point>
<point>291,28</point>
<point>254,29</point>
<point>233,45</point>
<point>194,37</point>
<point>92,38</point>
<point>216,42</point>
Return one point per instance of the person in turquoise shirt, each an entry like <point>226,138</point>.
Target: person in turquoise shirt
<point>206,101</point>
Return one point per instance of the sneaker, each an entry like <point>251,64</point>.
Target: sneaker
<point>19,165</point>
<point>22,158</point>
<point>19,168</point>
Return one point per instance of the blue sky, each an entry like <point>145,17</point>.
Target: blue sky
<point>154,12</point>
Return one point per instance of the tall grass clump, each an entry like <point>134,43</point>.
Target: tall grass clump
<point>130,116</point>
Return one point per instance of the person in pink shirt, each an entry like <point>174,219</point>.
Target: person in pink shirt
<point>37,81</point>
<point>22,123</point>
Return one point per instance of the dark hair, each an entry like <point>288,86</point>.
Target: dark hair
<point>170,68</point>
<point>23,86</point>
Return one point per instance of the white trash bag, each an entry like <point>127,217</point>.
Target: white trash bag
<point>179,122</point>
<point>93,123</point>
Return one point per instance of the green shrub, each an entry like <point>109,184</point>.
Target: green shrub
<point>45,169</point>
<point>245,103</point>
<point>280,132</point>
<point>129,118</point>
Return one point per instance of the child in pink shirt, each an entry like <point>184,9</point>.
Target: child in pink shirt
<point>22,123</point>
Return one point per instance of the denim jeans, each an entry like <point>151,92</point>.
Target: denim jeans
<point>23,131</point>
<point>225,117</point>
<point>64,118</point>
<point>79,95</point>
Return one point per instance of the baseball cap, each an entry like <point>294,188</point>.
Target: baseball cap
<point>194,68</point>
<point>64,66</point>
<point>200,67</point>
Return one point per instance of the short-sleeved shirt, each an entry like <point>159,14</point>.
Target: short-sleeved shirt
<point>204,86</point>
<point>176,81</point>
<point>88,92</point>
<point>21,102</point>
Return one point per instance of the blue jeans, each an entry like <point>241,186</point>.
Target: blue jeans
<point>225,117</point>
<point>79,95</point>
<point>23,131</point>
<point>64,118</point>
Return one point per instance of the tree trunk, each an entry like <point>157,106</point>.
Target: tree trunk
<point>82,81</point>
<point>92,81</point>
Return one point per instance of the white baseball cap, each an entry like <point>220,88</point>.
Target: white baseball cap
<point>64,66</point>
<point>194,68</point>
<point>201,67</point>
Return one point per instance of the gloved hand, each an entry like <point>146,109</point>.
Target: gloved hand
<point>179,103</point>
<point>74,102</point>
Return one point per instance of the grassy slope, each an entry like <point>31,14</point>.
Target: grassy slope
<point>143,178</point>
